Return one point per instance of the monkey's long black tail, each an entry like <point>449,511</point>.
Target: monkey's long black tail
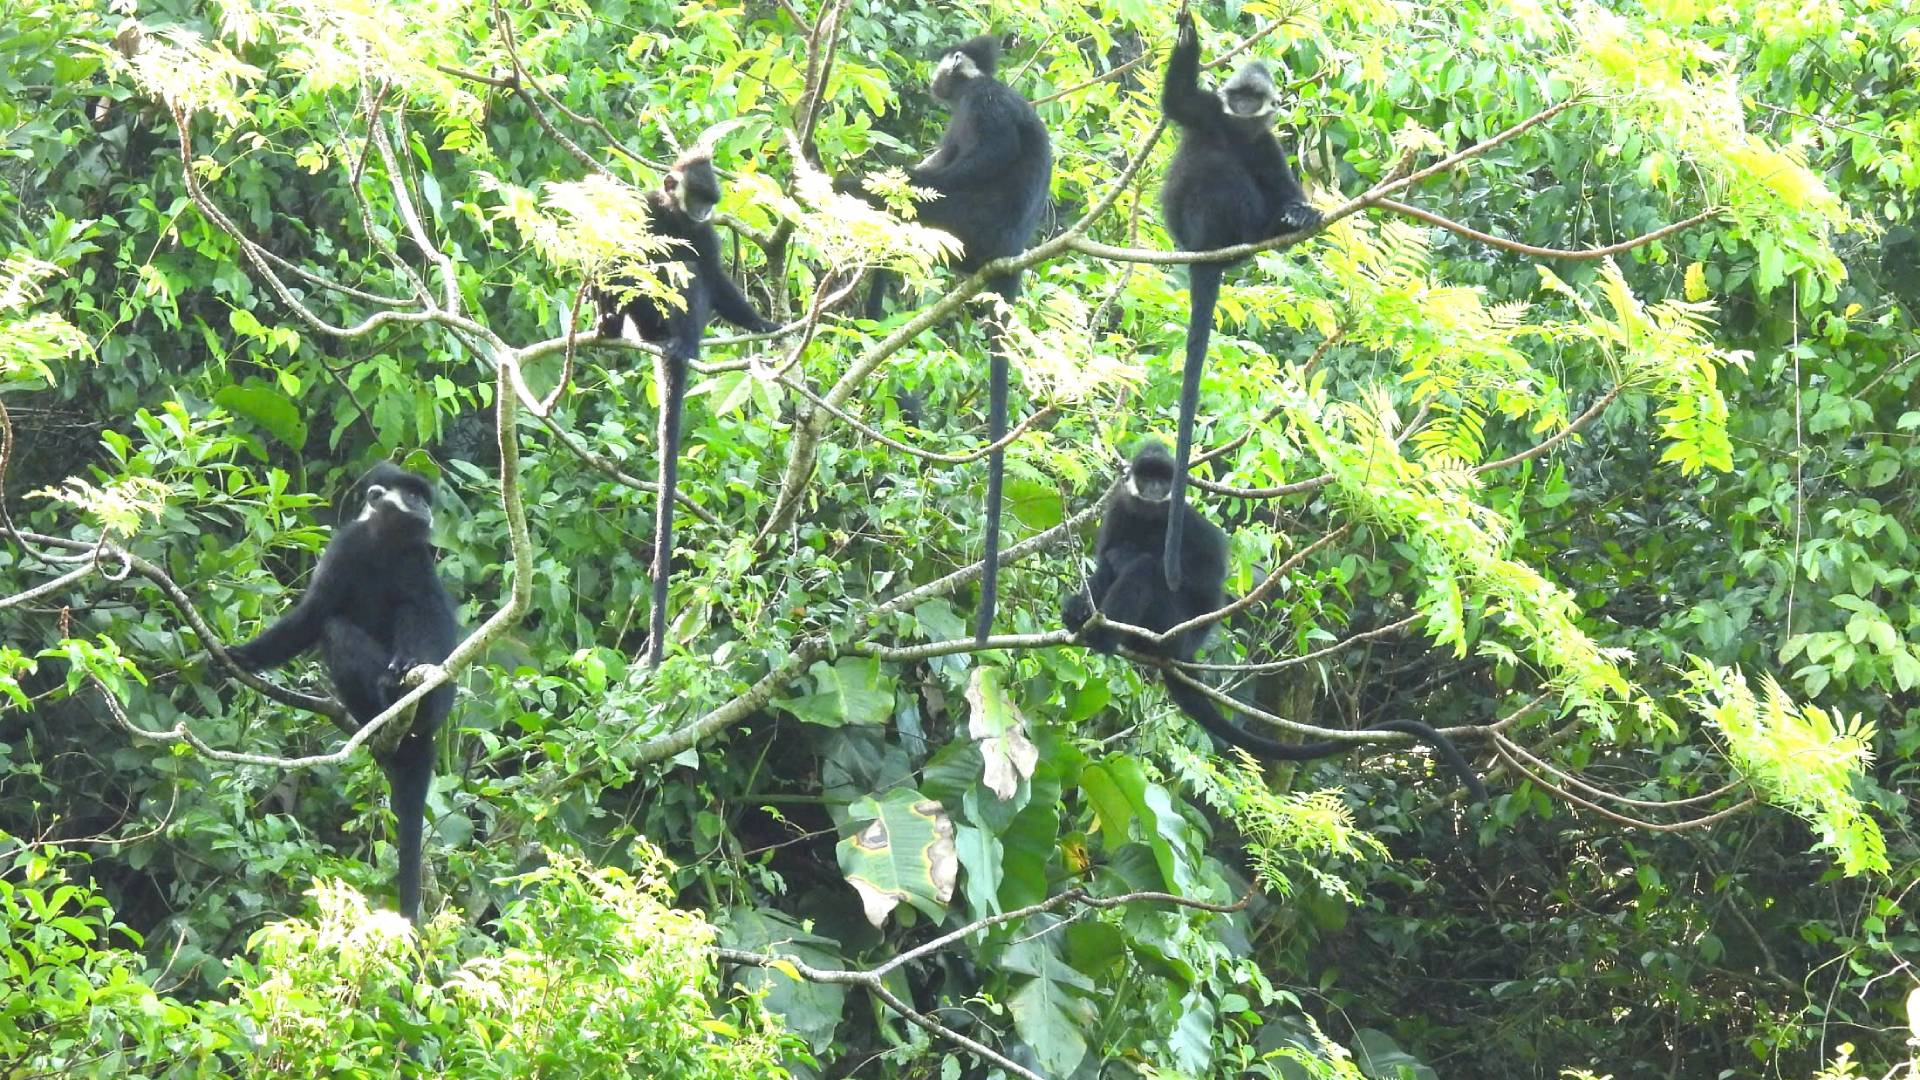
<point>409,773</point>
<point>672,401</point>
<point>996,478</point>
<point>1203,291</point>
<point>1202,709</point>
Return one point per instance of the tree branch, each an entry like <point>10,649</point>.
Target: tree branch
<point>1519,248</point>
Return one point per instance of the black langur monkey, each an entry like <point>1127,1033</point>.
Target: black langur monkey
<point>377,610</point>
<point>680,210</point>
<point>992,169</point>
<point>1129,587</point>
<point>1229,184</point>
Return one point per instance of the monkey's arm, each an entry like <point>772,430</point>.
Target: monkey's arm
<point>994,140</point>
<point>424,631</point>
<point>1181,97</point>
<point>728,301</point>
<point>298,629</point>
<point>1078,607</point>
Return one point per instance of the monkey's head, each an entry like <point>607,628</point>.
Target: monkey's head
<point>974,58</point>
<point>394,503</point>
<point>693,185</point>
<point>1250,94</point>
<point>1150,475</point>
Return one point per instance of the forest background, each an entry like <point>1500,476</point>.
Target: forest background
<point>1586,430</point>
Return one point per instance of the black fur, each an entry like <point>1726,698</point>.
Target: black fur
<point>1130,588</point>
<point>1229,184</point>
<point>679,210</point>
<point>377,610</point>
<point>992,168</point>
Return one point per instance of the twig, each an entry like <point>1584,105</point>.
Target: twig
<point>1601,793</point>
<point>1517,247</point>
<point>1304,658</point>
<point>925,455</point>
<point>906,654</point>
<point>1504,748</point>
<point>1578,422</point>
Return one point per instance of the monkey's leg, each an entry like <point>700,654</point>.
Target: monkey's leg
<point>357,664</point>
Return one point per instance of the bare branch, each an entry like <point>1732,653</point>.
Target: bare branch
<point>70,577</point>
<point>1506,749</point>
<point>1305,658</point>
<point>925,455</point>
<point>907,654</point>
<point>1593,412</point>
<point>1573,781</point>
<point>1519,248</point>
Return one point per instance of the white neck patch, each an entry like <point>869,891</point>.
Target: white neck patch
<point>958,63</point>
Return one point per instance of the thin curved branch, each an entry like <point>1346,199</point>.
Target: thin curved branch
<point>1360,737</point>
<point>906,654</point>
<point>1305,658</point>
<point>520,80</point>
<point>1298,487</point>
<point>183,604</point>
<point>1515,246</point>
<point>886,440</point>
<point>1589,416</point>
<point>1504,747</point>
<point>55,585</point>
<point>1601,793</point>
<point>613,470</point>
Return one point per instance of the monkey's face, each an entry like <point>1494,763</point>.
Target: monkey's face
<point>695,188</point>
<point>953,71</point>
<point>397,510</point>
<point>1250,94</point>
<point>1150,477</point>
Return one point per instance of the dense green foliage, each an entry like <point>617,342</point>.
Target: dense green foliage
<point>1653,510</point>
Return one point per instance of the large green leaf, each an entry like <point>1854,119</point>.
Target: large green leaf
<point>903,851</point>
<point>812,1009</point>
<point>268,409</point>
<point>993,719</point>
<point>851,690</point>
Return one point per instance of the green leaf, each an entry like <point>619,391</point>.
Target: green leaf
<point>851,690</point>
<point>903,851</point>
<point>1050,1020</point>
<point>268,409</point>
